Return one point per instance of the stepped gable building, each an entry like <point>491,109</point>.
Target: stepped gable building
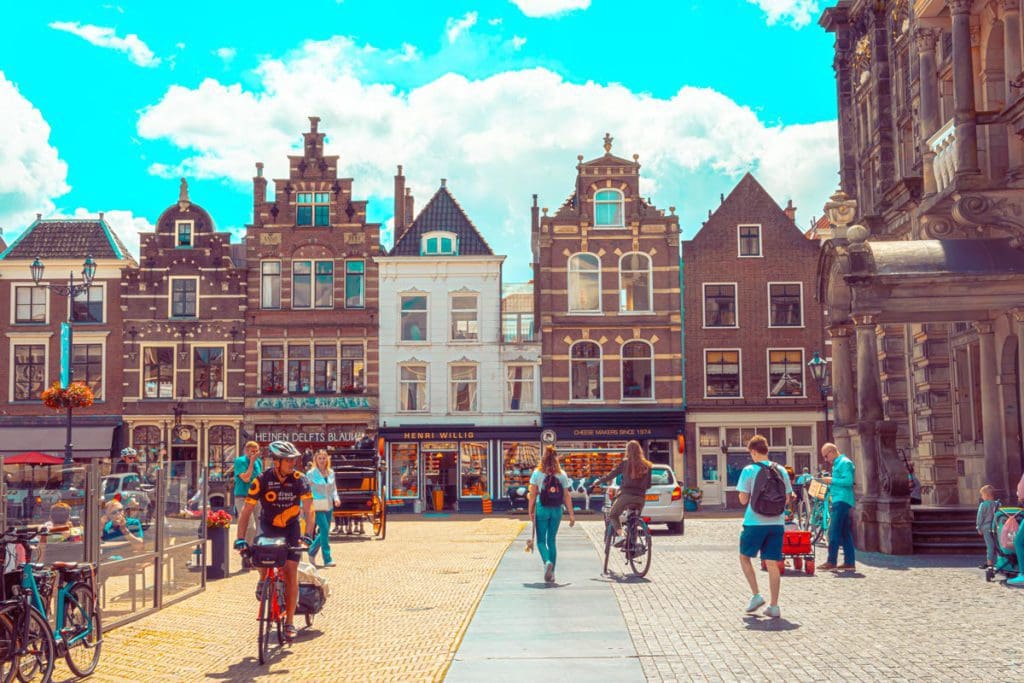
<point>311,337</point>
<point>752,325</point>
<point>30,321</point>
<point>183,344</point>
<point>606,267</point>
<point>924,274</point>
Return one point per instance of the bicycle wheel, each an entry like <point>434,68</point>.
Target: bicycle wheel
<point>263,644</point>
<point>82,630</point>
<point>607,545</point>
<point>638,548</point>
<point>34,653</point>
<point>8,645</point>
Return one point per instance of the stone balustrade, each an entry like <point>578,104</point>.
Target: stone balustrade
<point>944,146</point>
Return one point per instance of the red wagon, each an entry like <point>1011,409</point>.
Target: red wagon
<point>797,546</point>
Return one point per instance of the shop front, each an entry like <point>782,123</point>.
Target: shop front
<point>311,423</point>
<point>457,468</point>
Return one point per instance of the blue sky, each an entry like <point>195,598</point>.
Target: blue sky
<point>104,105</point>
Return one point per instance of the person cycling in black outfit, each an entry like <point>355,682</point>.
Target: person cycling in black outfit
<point>636,479</point>
<point>284,495</point>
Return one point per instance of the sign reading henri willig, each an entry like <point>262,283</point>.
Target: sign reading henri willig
<point>312,403</point>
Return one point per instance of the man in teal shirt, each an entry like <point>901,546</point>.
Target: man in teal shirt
<point>840,529</point>
<point>248,468</point>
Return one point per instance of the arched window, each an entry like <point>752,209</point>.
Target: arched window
<point>439,244</point>
<point>635,282</point>
<point>585,371</point>
<point>146,440</point>
<point>637,370</point>
<point>608,209</point>
<point>584,283</point>
<point>223,451</point>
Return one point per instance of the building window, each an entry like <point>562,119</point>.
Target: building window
<point>355,277</point>
<point>439,244</point>
<point>183,297</point>
<point>353,368</point>
<point>584,283</point>
<point>412,390</point>
<point>464,317</point>
<point>324,284</point>
<point>517,328</point>
<point>462,388</point>
<point>786,304</point>
<point>785,372</point>
<point>87,305</point>
<point>158,372</point>
<point>414,317</point>
<point>637,370</point>
<point>749,240</point>
<point>30,304</point>
<point>183,230</point>
<point>147,441</point>
<point>223,451</point>
<point>403,470</point>
<point>313,208</point>
<point>719,305</point>
<point>325,368</point>
<point>635,282</point>
<point>608,209</point>
<point>473,468</point>
<point>87,366</point>
<point>298,368</point>
<point>272,369</point>
<point>585,371</point>
<point>520,387</point>
<point>207,372</point>
<point>302,284</point>
<point>29,371</point>
<point>722,373</point>
<point>270,284</point>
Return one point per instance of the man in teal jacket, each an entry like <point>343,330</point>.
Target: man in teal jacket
<point>840,529</point>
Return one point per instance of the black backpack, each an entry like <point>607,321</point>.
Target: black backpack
<point>552,494</point>
<point>768,496</point>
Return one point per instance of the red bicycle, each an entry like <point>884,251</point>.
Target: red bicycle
<point>270,554</point>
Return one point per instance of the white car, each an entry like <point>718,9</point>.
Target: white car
<point>664,503</point>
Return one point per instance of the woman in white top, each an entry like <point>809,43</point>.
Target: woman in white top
<point>325,497</point>
<point>549,491</point>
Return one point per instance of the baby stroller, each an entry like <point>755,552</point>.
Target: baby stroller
<point>1005,524</point>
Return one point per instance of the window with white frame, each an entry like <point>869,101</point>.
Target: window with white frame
<point>785,373</point>
<point>270,284</point>
<point>635,282</point>
<point>585,371</point>
<point>323,284</point>
<point>298,368</point>
<point>414,317</point>
<point>719,304</point>
<point>30,304</point>
<point>207,372</point>
<point>584,283</point>
<point>637,370</point>
<point>313,208</point>
<point>439,244</point>
<point>749,237</point>
<point>29,371</point>
<point>271,369</point>
<point>325,368</point>
<point>355,279</point>
<point>785,303</point>
<point>465,319</point>
<point>87,366</point>
<point>87,305</point>
<point>412,388</point>
<point>184,297</point>
<point>157,372</point>
<point>608,209</point>
<point>312,284</point>
<point>520,387</point>
<point>353,368</point>
<point>463,388</point>
<point>517,328</point>
<point>183,234</point>
<point>722,373</point>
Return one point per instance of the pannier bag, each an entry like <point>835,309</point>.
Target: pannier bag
<point>311,599</point>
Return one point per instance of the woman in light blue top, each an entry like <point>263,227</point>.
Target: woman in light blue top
<point>325,497</point>
<point>549,491</point>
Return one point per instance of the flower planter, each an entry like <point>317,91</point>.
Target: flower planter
<point>690,505</point>
<point>219,553</point>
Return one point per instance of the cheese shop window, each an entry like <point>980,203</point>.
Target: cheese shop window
<point>403,474</point>
<point>473,468</point>
<point>519,460</point>
<point>585,463</point>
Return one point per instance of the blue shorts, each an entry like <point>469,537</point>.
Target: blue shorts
<point>765,539</point>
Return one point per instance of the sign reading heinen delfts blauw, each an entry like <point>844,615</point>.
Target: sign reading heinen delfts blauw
<point>312,403</point>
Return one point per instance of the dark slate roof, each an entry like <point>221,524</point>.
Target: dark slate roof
<point>67,238</point>
<point>442,212</point>
<point>950,257</point>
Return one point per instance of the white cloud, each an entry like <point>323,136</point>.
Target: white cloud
<point>138,52</point>
<point>549,8</point>
<point>497,140</point>
<point>409,53</point>
<point>455,27</point>
<point>518,42</point>
<point>32,174</point>
<point>798,13</point>
<point>494,22</point>
<point>226,53</point>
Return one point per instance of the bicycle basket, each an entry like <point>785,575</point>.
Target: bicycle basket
<point>817,489</point>
<point>269,552</point>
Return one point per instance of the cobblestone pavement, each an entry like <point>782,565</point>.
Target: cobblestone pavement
<point>895,619</point>
<point>397,611</point>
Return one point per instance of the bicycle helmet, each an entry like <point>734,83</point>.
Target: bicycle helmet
<point>283,450</point>
<point>128,452</point>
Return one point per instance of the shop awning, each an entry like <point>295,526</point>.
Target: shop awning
<point>605,424</point>
<point>34,458</point>
<point>90,441</point>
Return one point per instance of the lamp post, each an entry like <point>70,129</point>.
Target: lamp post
<point>70,291</point>
<point>818,367</point>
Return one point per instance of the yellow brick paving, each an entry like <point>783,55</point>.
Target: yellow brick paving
<point>397,612</point>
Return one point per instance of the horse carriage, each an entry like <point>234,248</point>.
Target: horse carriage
<point>359,477</point>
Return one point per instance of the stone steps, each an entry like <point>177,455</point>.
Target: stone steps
<point>946,530</point>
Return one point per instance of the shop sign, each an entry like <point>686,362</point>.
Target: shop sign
<point>268,434</point>
<point>612,432</point>
<point>312,403</point>
<point>438,436</point>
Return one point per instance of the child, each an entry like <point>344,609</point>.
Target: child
<point>986,512</point>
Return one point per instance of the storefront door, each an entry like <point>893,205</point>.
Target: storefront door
<point>711,479</point>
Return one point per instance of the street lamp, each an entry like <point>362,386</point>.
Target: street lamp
<point>69,290</point>
<point>819,371</point>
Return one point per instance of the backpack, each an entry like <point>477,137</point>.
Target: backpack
<point>552,494</point>
<point>768,497</point>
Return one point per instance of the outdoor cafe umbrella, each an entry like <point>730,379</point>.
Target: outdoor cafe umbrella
<point>33,459</point>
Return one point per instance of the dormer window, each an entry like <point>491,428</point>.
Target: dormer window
<point>439,244</point>
<point>313,208</point>
<point>183,231</point>
<point>608,209</point>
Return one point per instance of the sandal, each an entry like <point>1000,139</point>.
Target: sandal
<point>290,632</point>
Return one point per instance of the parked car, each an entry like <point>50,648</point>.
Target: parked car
<point>664,499</point>
<point>136,495</point>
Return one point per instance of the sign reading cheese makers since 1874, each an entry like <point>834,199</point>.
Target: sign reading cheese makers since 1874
<point>612,432</point>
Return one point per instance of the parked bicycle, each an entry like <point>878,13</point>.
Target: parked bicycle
<point>636,546</point>
<point>820,515</point>
<point>271,554</point>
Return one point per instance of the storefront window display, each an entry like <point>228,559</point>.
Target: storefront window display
<point>586,462</point>
<point>403,472</point>
<point>519,459</point>
<point>473,468</point>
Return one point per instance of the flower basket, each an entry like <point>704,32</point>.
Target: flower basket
<point>218,519</point>
<point>78,395</point>
<point>692,498</point>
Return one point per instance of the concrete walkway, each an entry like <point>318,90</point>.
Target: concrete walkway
<point>525,629</point>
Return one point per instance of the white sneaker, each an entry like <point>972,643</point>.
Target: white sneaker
<point>773,611</point>
<point>549,572</point>
<point>755,602</point>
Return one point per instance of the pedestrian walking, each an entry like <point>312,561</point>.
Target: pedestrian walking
<point>765,489</point>
<point>248,466</point>
<point>840,529</point>
<point>549,491</point>
<point>986,513</point>
<point>325,497</point>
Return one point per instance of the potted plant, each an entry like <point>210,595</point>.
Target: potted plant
<point>218,525</point>
<point>691,499</point>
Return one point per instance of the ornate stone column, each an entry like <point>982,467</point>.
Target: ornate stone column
<point>925,39</point>
<point>991,415</point>
<point>963,89</point>
<point>844,405</point>
<point>869,414</point>
<point>1012,68</point>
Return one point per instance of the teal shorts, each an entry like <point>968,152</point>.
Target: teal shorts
<point>765,539</point>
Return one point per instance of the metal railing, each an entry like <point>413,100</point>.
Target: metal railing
<point>943,145</point>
